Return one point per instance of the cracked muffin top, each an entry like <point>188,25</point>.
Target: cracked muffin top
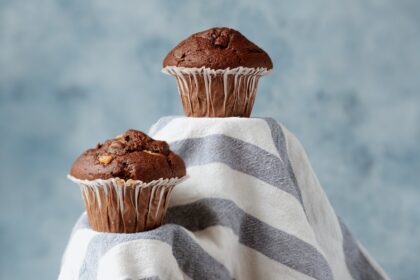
<point>131,155</point>
<point>218,48</point>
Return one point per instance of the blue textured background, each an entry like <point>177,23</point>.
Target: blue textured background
<point>346,82</point>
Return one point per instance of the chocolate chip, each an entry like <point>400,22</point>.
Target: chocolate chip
<point>221,41</point>
<point>116,146</point>
<point>159,147</point>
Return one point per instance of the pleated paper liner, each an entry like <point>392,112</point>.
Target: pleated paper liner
<point>126,206</point>
<point>207,92</point>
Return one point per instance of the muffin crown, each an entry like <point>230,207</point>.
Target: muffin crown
<point>218,48</point>
<point>131,155</point>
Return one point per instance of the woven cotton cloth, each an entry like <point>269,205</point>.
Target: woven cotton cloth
<point>252,208</point>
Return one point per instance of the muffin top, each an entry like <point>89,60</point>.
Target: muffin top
<point>131,155</point>
<point>217,48</point>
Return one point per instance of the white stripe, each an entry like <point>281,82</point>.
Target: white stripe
<point>75,254</point>
<point>320,213</point>
<point>241,261</point>
<point>200,127</point>
<point>139,259</point>
<point>217,180</point>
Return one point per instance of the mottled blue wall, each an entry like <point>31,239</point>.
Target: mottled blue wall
<point>346,81</point>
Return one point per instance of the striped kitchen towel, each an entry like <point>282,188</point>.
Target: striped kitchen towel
<point>252,208</point>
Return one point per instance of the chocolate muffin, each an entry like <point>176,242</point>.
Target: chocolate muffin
<point>217,72</point>
<point>218,48</point>
<point>126,182</point>
<point>132,155</point>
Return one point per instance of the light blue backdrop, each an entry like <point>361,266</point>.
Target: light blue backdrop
<point>346,82</point>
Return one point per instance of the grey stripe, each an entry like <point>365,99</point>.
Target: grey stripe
<point>161,123</point>
<point>191,258</point>
<point>357,263</point>
<point>359,266</point>
<point>280,141</point>
<point>238,155</point>
<point>273,243</point>
<point>244,157</point>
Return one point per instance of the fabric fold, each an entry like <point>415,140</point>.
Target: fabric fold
<point>252,208</point>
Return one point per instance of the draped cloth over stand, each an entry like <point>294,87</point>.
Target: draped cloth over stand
<point>252,208</point>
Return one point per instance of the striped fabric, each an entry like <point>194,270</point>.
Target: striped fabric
<point>252,208</point>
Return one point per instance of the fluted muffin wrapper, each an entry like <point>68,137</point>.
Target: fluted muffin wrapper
<point>207,92</point>
<point>126,206</point>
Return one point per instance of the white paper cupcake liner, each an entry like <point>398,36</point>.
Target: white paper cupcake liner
<point>187,79</point>
<point>117,185</point>
<point>104,189</point>
<point>175,70</point>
